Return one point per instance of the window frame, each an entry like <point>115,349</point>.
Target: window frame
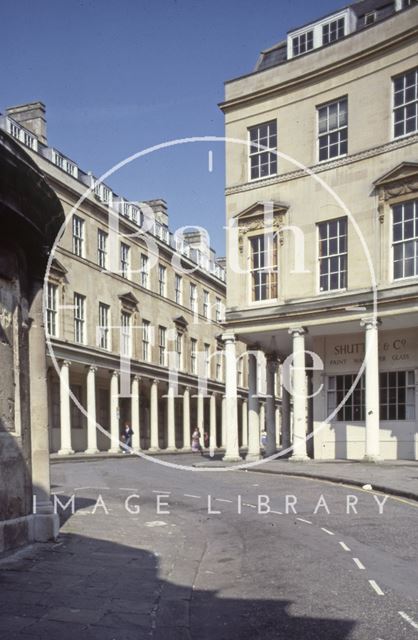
<point>272,271</point>
<point>124,260</point>
<point>146,325</point>
<point>103,334</point>
<point>80,320</point>
<point>328,24</point>
<point>178,289</point>
<point>162,346</point>
<point>272,151</point>
<point>144,270</point>
<point>404,105</point>
<point>193,356</point>
<point>52,309</point>
<point>162,281</point>
<point>329,131</point>
<point>102,255</point>
<point>78,238</point>
<point>338,255</point>
<point>414,240</point>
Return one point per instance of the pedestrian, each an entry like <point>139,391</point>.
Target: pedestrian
<point>196,440</point>
<point>126,437</point>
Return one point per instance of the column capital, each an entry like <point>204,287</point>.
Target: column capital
<point>66,363</point>
<point>91,368</point>
<point>228,337</point>
<point>114,372</point>
<point>155,381</point>
<point>186,388</point>
<point>370,323</point>
<point>137,378</point>
<point>297,331</point>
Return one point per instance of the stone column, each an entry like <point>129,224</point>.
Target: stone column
<point>91,411</point>
<point>223,425</point>
<point>253,411</point>
<point>135,417</point>
<point>271,405</point>
<point>186,420</point>
<point>200,415</point>
<point>262,417</point>
<point>46,522</point>
<point>244,409</point>
<point>299,395</point>
<point>171,424</point>
<point>65,411</point>
<point>114,413</point>
<point>285,439</point>
<point>212,431</point>
<point>372,389</point>
<point>231,414</point>
<point>154,443</point>
<point>278,425</point>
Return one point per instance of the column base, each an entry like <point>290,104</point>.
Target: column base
<point>185,449</point>
<point>253,457</point>
<point>171,450</point>
<point>154,450</point>
<point>65,452</point>
<point>114,450</point>
<point>299,458</point>
<point>91,452</point>
<point>372,458</point>
<point>231,458</point>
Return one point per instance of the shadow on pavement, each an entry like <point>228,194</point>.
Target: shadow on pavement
<point>84,588</point>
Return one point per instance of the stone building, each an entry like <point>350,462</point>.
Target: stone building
<point>322,206</point>
<point>134,315</point>
<point>31,216</point>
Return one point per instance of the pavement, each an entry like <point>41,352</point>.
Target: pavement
<point>197,557</point>
<point>398,477</point>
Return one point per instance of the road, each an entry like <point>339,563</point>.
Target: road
<point>156,552</point>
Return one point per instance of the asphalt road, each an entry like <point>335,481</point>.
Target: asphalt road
<point>165,566</point>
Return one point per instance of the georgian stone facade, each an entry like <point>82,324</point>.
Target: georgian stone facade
<point>322,206</point>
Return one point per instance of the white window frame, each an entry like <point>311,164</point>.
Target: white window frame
<point>339,254</point>
<point>144,270</point>
<point>193,297</point>
<point>271,269</point>
<point>329,24</point>
<point>409,389</point>
<point>206,360</point>
<point>302,39</point>
<point>102,238</point>
<point>206,304</point>
<point>124,260</point>
<point>52,310</point>
<point>78,227</point>
<point>80,318</point>
<point>270,150</point>
<point>162,346</point>
<point>125,334</point>
<point>329,132</point>
<point>405,104</point>
<point>162,280</point>
<point>218,309</point>
<point>103,334</point>
<point>178,289</point>
<point>146,324</point>
<point>403,242</point>
<point>193,356</point>
<point>179,350</point>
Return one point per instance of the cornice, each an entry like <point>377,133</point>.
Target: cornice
<point>351,59</point>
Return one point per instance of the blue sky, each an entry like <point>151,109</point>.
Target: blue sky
<point>120,76</point>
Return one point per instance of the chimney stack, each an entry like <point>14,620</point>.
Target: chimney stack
<point>31,116</point>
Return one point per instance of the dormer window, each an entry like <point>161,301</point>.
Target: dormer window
<point>333,31</point>
<point>370,18</point>
<point>302,43</point>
